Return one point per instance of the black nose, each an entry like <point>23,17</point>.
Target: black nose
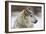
<point>36,21</point>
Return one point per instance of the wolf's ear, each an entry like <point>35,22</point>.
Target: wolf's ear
<point>22,12</point>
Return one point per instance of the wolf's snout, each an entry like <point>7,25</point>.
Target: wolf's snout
<point>36,21</point>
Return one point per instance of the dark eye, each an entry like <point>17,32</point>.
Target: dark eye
<point>31,15</point>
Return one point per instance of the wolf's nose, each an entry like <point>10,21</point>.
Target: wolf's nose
<point>36,21</point>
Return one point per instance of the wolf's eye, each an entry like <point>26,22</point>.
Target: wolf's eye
<point>31,15</point>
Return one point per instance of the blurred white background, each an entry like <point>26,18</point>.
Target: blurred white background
<point>2,18</point>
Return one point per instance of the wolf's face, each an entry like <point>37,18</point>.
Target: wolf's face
<point>28,12</point>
